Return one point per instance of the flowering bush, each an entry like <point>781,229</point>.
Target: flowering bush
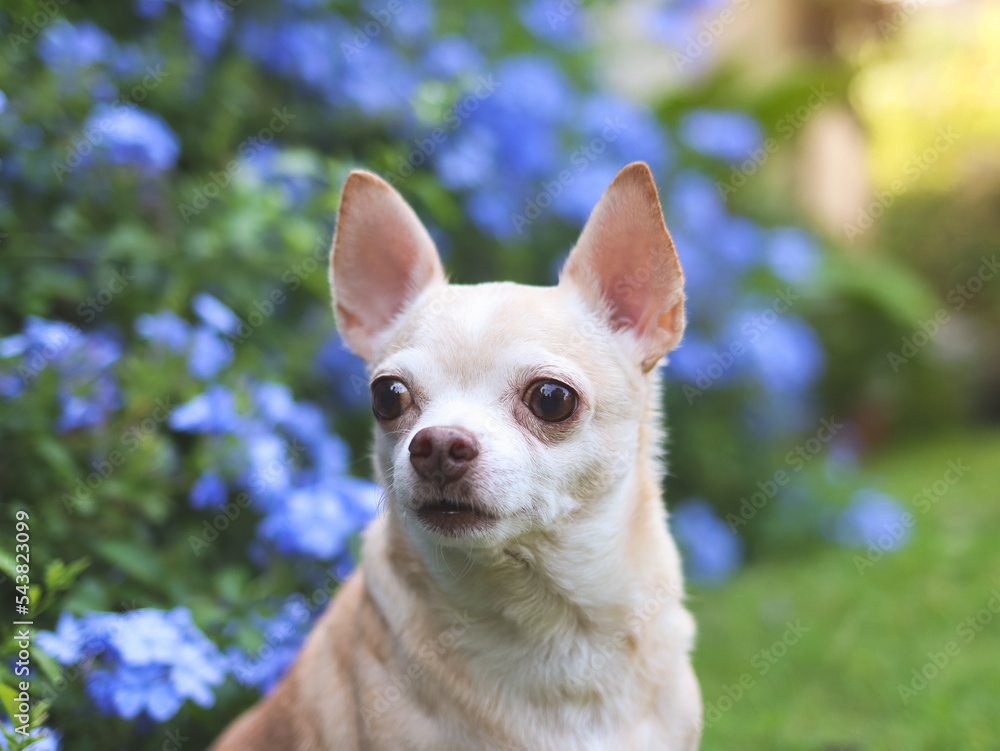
<point>143,662</point>
<point>177,415</point>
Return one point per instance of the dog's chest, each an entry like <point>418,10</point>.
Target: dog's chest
<point>590,697</point>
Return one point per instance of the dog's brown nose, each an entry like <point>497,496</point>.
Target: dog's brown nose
<point>442,454</point>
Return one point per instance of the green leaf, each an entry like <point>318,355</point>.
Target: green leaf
<point>47,663</point>
<point>136,560</point>
<point>8,697</point>
<point>60,577</point>
<point>40,712</point>
<point>899,291</point>
<point>58,458</point>
<point>7,563</point>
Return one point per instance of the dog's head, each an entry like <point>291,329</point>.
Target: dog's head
<point>503,408</point>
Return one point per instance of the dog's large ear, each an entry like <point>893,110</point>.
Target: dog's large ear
<point>382,258</point>
<point>625,265</point>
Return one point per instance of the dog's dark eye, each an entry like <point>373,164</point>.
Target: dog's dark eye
<point>390,398</point>
<point>550,400</point>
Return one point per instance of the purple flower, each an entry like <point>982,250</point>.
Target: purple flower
<point>317,521</point>
<point>144,662</point>
<point>208,491</point>
<point>699,360</point>
<point>88,389</point>
<point>712,551</point>
<point>77,412</point>
<point>629,130</point>
<point>792,254</point>
<point>301,49</point>
<point>874,519</point>
<point>134,136</point>
<point>379,80</point>
<point>491,210</point>
<point>534,87</point>
<point>309,522</point>
<point>14,345</point>
<point>205,23</point>
<point>89,357</point>
<point>275,402</point>
<point>723,134</point>
<point>165,328</point>
<point>131,61</point>
<point>66,47</point>
<point>10,386</point>
<point>469,160</point>
<point>737,241</point>
<point>48,339</point>
<point>150,8</point>
<point>676,22</point>
<point>282,636</point>
<point>451,56</point>
<point>346,372</point>
<point>308,424</point>
<point>786,354</point>
<point>412,23</point>
<point>696,204</point>
<point>209,353</point>
<point>269,464</point>
<point>215,313</point>
<point>211,412</point>
<point>581,195</point>
<point>66,643</point>
<point>556,21</point>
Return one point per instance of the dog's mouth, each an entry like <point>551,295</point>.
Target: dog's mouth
<point>454,518</point>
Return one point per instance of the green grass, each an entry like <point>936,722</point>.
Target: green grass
<point>837,686</point>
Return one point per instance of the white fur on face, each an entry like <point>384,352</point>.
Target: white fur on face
<point>468,354</point>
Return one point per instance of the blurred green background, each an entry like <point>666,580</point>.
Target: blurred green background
<point>184,440</point>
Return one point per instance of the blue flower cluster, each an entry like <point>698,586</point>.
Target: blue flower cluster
<point>283,456</point>
<point>133,136</point>
<point>87,386</point>
<point>281,638</point>
<point>288,462</point>
<point>146,662</point>
<point>208,344</point>
<point>876,520</point>
<point>345,371</point>
<point>276,449</point>
<point>118,130</point>
<point>522,113</point>
<point>721,134</point>
<point>535,144</point>
<point>712,550</point>
<point>756,339</point>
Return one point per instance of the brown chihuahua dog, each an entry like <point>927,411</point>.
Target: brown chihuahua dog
<point>521,590</point>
